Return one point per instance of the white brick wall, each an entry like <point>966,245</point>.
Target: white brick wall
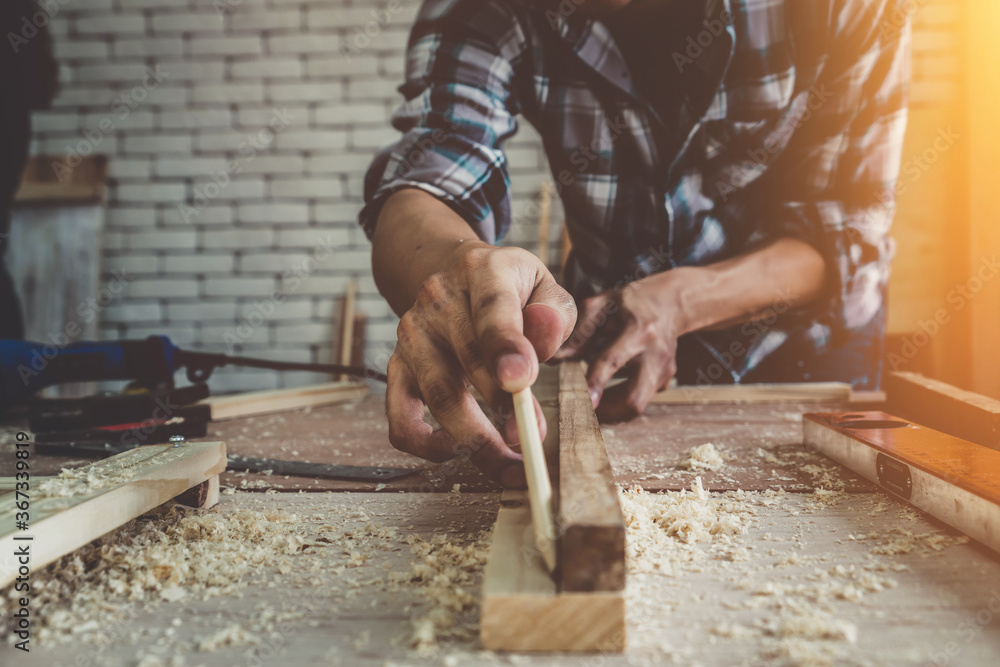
<point>200,271</point>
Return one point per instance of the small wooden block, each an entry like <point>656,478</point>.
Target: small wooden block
<point>203,496</point>
<point>59,524</point>
<point>591,524</point>
<point>940,406</point>
<point>952,479</point>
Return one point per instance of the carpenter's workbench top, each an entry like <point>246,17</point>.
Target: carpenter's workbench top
<point>796,589</point>
<point>807,578</point>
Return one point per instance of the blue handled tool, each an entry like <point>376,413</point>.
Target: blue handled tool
<point>26,368</point>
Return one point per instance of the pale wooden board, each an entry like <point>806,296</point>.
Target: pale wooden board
<point>765,393</point>
<point>58,525</point>
<point>279,400</point>
<point>670,621</point>
<point>591,527</point>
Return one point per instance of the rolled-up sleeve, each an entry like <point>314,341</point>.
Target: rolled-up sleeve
<point>837,189</point>
<point>459,110</point>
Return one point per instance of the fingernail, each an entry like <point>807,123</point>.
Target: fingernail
<point>595,396</point>
<point>513,477</point>
<point>512,368</point>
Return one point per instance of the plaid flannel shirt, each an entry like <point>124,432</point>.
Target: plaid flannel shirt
<point>792,126</point>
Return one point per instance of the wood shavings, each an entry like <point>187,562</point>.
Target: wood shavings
<point>447,576</point>
<point>169,554</point>
<point>703,457</point>
<point>661,526</point>
<point>85,480</point>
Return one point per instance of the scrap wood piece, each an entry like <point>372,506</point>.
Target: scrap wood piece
<point>219,408</point>
<point>68,511</point>
<point>522,609</point>
<point>941,406</point>
<point>591,524</point>
<point>954,480</point>
<point>803,392</point>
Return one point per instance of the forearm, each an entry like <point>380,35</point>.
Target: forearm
<point>416,236</point>
<point>785,274</point>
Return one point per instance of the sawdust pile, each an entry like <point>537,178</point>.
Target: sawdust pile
<point>663,527</point>
<point>447,575</point>
<point>703,457</point>
<point>167,555</point>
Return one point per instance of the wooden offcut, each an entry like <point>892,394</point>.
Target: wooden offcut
<point>523,607</point>
<point>220,408</point>
<point>137,481</point>
<point>952,479</point>
<point>591,525</point>
<point>941,406</point>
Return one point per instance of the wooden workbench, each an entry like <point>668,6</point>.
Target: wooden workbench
<point>894,587</point>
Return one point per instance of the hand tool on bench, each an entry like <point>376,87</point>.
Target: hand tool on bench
<point>26,368</point>
<point>954,480</point>
<point>239,463</point>
<point>537,474</point>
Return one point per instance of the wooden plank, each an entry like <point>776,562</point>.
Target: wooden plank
<point>264,402</point>
<point>125,486</point>
<point>522,609</point>
<point>537,476</point>
<point>591,526</point>
<point>954,480</point>
<point>941,406</point>
<point>765,393</point>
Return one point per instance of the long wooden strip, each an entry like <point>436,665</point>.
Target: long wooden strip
<point>152,476</point>
<point>264,402</point>
<point>757,393</point>
<point>941,406</point>
<point>522,609</point>
<point>537,475</point>
<point>591,525</point>
<point>952,479</point>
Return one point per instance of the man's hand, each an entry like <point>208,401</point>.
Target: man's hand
<point>485,320</point>
<point>634,328</point>
<point>637,327</point>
